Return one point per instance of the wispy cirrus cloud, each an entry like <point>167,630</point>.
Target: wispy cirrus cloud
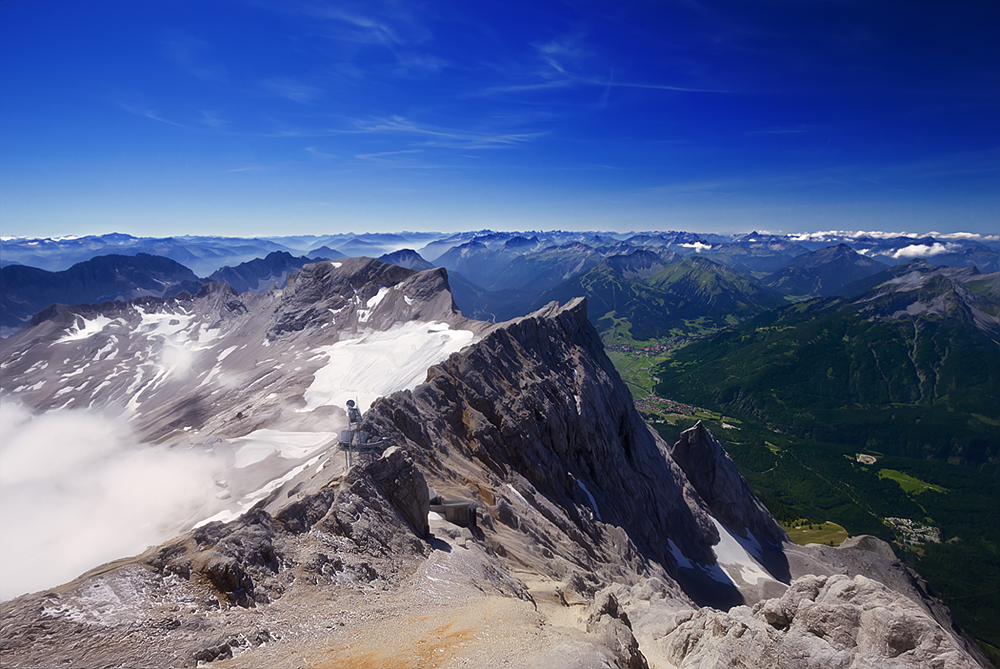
<point>292,89</point>
<point>443,137</point>
<point>189,52</point>
<point>316,153</point>
<point>152,115</point>
<point>212,121</point>
<point>382,154</point>
<point>371,29</point>
<point>565,63</point>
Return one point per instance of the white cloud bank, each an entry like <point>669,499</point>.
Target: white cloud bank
<point>923,250</point>
<point>832,235</point>
<point>76,491</point>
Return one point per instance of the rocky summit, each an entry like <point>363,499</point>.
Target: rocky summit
<point>512,509</point>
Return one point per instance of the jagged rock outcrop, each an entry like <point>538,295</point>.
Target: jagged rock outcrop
<point>714,475</point>
<point>537,422</point>
<point>323,289</point>
<point>835,622</point>
<point>260,274</point>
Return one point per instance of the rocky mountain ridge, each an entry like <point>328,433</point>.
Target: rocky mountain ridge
<point>597,544</point>
<point>26,290</point>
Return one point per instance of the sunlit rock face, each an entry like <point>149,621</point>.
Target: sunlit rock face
<point>595,543</point>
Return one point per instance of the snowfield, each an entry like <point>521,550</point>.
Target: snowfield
<point>380,363</point>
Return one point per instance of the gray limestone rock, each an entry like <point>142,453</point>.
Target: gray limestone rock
<point>820,621</point>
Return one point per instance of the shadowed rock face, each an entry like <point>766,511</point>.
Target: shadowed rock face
<point>537,406</point>
<point>714,475</point>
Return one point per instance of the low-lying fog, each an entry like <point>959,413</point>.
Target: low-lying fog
<point>77,490</point>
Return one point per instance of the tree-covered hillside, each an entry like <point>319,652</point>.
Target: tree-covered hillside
<point>690,293</point>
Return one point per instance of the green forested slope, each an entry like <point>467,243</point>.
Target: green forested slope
<point>908,372</point>
<point>921,385</point>
<point>689,294</point>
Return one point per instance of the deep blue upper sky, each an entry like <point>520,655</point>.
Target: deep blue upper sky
<point>283,117</point>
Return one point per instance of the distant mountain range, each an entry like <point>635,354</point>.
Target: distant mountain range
<point>26,290</point>
<point>500,275</point>
<point>753,253</point>
<point>821,273</point>
<point>257,276</point>
<point>657,296</point>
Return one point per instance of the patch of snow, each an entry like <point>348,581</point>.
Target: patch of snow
<point>84,328</point>
<point>227,515</point>
<point>211,375</point>
<point>163,325</point>
<point>102,385</point>
<point>750,544</point>
<point>205,335</point>
<point>407,300</point>
<point>260,444</point>
<point>734,558</point>
<point>593,504</point>
<point>380,363</point>
<point>222,356</point>
<point>37,367</point>
<point>518,495</point>
<point>112,342</point>
<point>378,297</point>
<point>337,265</point>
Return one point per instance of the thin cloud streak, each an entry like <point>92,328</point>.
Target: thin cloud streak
<point>444,137</point>
<point>367,156</point>
<point>153,116</point>
<point>294,90</point>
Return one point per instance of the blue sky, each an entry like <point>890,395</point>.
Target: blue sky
<point>244,117</point>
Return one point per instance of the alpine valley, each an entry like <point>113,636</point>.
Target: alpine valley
<point>575,449</point>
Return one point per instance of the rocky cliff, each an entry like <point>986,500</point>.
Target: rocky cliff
<point>597,544</point>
